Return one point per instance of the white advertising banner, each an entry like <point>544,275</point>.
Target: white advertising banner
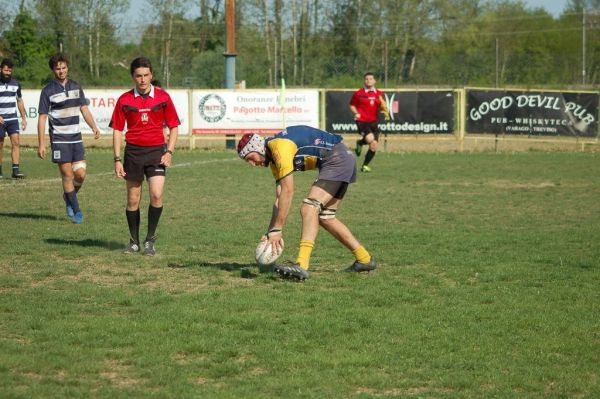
<point>240,112</point>
<point>101,105</point>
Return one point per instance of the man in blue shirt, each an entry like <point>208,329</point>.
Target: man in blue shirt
<point>61,101</point>
<point>10,101</point>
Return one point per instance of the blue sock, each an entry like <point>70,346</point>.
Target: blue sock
<point>72,199</point>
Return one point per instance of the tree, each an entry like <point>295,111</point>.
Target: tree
<point>30,50</point>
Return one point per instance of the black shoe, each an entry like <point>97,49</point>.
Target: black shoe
<point>149,247</point>
<point>18,175</point>
<point>292,271</point>
<point>358,267</point>
<point>133,247</point>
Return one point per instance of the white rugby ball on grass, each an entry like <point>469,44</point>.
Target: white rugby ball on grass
<point>265,255</point>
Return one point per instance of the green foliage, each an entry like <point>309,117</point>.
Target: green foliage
<point>29,49</point>
<point>486,286</point>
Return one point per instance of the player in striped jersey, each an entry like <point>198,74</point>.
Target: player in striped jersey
<point>10,101</point>
<point>61,101</point>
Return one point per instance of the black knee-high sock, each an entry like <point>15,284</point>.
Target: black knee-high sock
<point>153,218</point>
<point>369,157</point>
<point>133,221</point>
<point>72,200</point>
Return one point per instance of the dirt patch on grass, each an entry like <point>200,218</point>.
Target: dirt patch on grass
<point>503,184</point>
<point>507,184</point>
<point>121,375</point>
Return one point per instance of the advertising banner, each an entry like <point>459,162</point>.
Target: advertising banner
<point>239,112</point>
<point>411,112</point>
<point>532,113</point>
<point>101,104</point>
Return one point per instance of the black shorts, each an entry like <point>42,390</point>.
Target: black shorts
<point>9,128</point>
<point>67,152</point>
<point>365,128</point>
<point>143,161</point>
<point>336,188</point>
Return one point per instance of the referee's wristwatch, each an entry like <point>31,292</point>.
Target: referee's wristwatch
<point>169,152</point>
<point>117,159</point>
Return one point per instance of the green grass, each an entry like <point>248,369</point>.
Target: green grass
<point>488,284</point>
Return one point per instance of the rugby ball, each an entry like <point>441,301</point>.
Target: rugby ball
<point>264,254</point>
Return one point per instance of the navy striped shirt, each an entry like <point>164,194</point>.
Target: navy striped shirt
<point>63,104</point>
<point>9,91</point>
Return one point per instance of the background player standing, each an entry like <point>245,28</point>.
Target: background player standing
<point>61,101</point>
<point>300,148</point>
<point>10,100</point>
<point>144,109</point>
<point>364,105</point>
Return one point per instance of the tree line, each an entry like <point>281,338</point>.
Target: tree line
<point>310,43</point>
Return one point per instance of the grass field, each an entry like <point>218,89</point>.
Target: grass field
<point>488,286</point>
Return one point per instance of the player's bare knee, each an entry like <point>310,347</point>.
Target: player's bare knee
<point>373,145</point>
<point>156,200</point>
<point>67,178</point>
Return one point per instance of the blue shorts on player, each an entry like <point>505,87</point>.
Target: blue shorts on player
<point>9,128</point>
<point>67,152</point>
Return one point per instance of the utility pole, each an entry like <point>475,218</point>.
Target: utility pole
<point>230,54</point>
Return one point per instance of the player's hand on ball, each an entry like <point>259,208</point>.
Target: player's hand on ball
<point>276,241</point>
<point>267,253</point>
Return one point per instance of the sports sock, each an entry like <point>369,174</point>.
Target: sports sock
<point>306,247</point>
<point>72,200</point>
<point>369,157</point>
<point>361,142</point>
<point>15,168</point>
<point>153,218</point>
<point>361,255</point>
<point>133,221</point>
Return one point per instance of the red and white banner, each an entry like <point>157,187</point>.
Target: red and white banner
<point>239,112</point>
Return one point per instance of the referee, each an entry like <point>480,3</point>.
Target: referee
<point>145,109</point>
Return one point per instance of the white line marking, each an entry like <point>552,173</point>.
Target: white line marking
<point>24,182</point>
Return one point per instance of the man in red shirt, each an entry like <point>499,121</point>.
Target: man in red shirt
<point>145,109</point>
<point>364,105</point>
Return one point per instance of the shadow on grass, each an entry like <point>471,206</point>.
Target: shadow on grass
<point>28,216</point>
<point>227,266</point>
<point>112,245</point>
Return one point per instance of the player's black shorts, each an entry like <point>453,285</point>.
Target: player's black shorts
<point>143,161</point>
<point>336,188</point>
<point>9,127</point>
<point>67,152</point>
<point>365,128</point>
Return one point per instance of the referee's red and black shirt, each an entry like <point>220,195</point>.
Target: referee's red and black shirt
<point>366,102</point>
<point>145,116</point>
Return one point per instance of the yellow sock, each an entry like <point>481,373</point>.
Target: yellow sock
<point>306,247</point>
<point>361,255</point>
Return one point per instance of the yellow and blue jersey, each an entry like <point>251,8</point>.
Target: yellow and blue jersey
<point>298,148</point>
